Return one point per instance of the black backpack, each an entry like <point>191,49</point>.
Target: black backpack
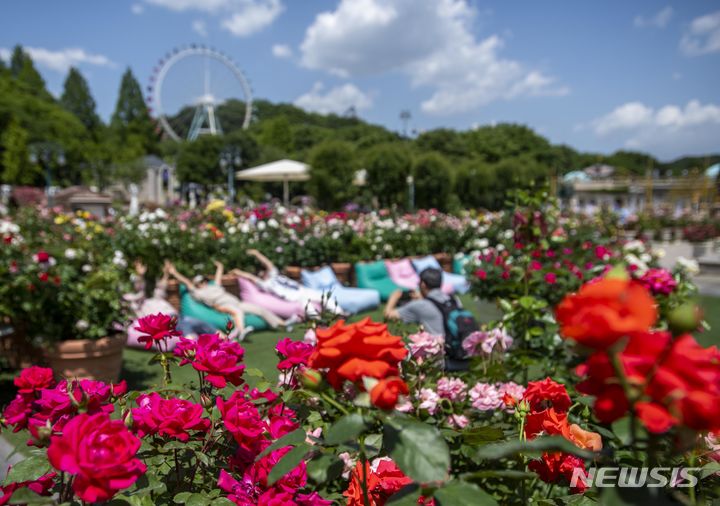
<point>459,323</point>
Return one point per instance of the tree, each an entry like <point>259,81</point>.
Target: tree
<point>198,161</point>
<point>433,181</point>
<point>332,169</point>
<point>443,140</point>
<point>475,185</point>
<point>17,168</point>
<point>131,117</point>
<point>276,132</point>
<point>495,143</point>
<point>76,98</point>
<point>388,166</point>
<point>23,69</point>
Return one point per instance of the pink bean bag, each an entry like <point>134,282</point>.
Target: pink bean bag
<point>249,292</point>
<point>403,274</point>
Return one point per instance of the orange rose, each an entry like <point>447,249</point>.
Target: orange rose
<point>385,393</point>
<point>603,311</point>
<point>349,352</point>
<point>584,438</point>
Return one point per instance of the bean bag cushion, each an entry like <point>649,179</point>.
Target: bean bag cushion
<point>351,300</point>
<point>196,309</point>
<point>460,262</point>
<point>453,282</point>
<point>403,273</point>
<point>250,292</point>
<point>374,275</point>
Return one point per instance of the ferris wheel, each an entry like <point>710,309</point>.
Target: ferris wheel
<point>209,77</point>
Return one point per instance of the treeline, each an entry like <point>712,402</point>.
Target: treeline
<point>450,169</point>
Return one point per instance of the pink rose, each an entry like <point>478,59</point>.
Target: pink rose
<point>425,345</point>
<point>100,453</point>
<point>168,417</point>
<point>156,328</point>
<point>458,421</point>
<point>486,397</point>
<point>214,356</point>
<point>454,389</point>
<point>33,379</point>
<point>294,353</point>
<point>550,278</point>
<point>241,418</point>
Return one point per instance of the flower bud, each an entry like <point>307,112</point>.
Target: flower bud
<point>311,379</point>
<point>127,419</point>
<point>684,318</point>
<point>206,401</point>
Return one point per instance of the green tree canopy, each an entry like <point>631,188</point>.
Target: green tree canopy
<point>131,117</point>
<point>198,161</point>
<point>388,166</point>
<point>16,166</point>
<point>433,181</point>
<point>331,174</point>
<point>77,99</point>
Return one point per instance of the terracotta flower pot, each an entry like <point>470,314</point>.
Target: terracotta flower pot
<point>343,271</point>
<point>86,359</point>
<point>293,272</point>
<point>445,261</point>
<point>173,293</point>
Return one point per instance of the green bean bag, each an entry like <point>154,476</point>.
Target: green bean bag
<point>195,309</point>
<point>375,275</point>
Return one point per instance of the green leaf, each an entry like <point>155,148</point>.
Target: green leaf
<point>222,501</point>
<point>500,473</point>
<point>28,470</point>
<point>406,496</point>
<point>253,371</point>
<point>325,468</point>
<point>536,446</point>
<point>480,435</point>
<point>289,462</point>
<point>182,497</point>
<point>418,449</point>
<point>348,427</point>
<point>197,500</point>
<point>461,493</point>
<point>26,496</point>
<point>290,439</point>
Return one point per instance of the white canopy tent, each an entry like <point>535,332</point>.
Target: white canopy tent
<point>279,171</point>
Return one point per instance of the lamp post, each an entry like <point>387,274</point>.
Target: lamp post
<point>411,192</point>
<point>231,159</point>
<point>46,154</point>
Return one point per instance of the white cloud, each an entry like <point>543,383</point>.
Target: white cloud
<point>199,27</point>
<point>61,60</point>
<point>336,100</point>
<point>239,17</point>
<point>703,35</point>
<point>282,51</point>
<point>253,17</point>
<point>670,130</point>
<point>137,9</point>
<point>658,20</point>
<point>431,42</point>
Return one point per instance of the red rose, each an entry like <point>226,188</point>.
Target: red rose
<point>42,256</point>
<point>100,453</point>
<point>385,393</point>
<point>168,417</point>
<point>558,467</point>
<point>156,328</point>
<point>547,393</point>
<point>606,310</point>
<point>33,379</point>
<point>384,479</point>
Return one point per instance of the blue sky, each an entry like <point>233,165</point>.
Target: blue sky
<point>599,76</point>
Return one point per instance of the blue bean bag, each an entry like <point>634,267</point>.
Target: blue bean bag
<point>351,300</point>
<point>457,281</point>
<point>196,309</point>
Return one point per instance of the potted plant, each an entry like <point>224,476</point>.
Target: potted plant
<point>701,236</point>
<point>67,301</point>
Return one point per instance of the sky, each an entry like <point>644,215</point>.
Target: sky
<point>597,75</point>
